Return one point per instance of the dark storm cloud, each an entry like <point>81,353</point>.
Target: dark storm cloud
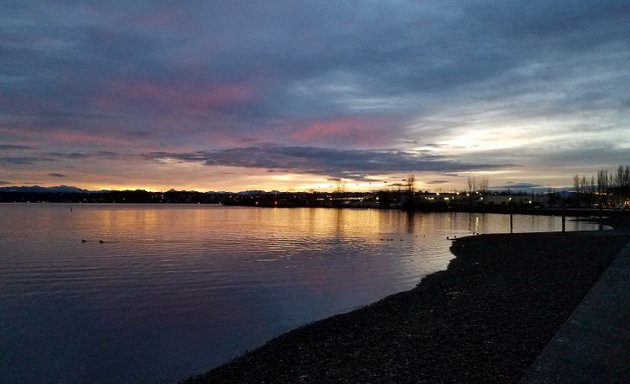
<point>334,163</point>
<point>59,175</point>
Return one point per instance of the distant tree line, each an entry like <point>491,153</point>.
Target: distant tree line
<point>129,197</point>
<point>477,185</point>
<point>606,189</point>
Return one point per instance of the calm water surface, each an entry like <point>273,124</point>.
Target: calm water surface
<point>176,290</point>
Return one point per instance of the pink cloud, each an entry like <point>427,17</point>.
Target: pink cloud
<point>354,130</point>
<point>180,98</point>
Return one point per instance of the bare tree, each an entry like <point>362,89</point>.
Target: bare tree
<point>410,184</point>
<point>619,185</point>
<point>340,187</point>
<point>577,187</point>
<point>483,185</point>
<point>602,185</point>
<point>590,190</point>
<point>606,188</point>
<point>407,196</point>
<point>619,177</point>
<point>472,184</point>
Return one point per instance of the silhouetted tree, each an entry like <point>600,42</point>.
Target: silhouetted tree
<point>483,185</point>
<point>410,188</point>
<point>472,184</point>
<point>602,186</point>
<point>410,184</point>
<point>577,187</point>
<point>622,184</point>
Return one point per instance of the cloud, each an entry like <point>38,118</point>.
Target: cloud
<point>570,153</point>
<point>57,175</point>
<point>89,155</point>
<point>476,83</point>
<point>59,156</point>
<point>4,182</point>
<point>343,131</point>
<point>23,160</point>
<point>63,130</point>
<point>518,186</point>
<point>177,97</point>
<point>10,147</point>
<point>335,163</point>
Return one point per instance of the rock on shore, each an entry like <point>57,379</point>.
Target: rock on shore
<point>484,320</point>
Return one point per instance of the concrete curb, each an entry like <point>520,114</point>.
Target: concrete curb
<point>593,346</point>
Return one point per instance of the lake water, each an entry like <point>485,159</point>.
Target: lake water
<point>175,290</point>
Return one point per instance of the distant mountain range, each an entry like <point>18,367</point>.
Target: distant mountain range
<point>38,189</point>
<point>71,189</point>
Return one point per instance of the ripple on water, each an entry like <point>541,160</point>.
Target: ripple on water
<point>205,283</point>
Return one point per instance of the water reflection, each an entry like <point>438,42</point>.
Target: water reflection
<point>177,289</point>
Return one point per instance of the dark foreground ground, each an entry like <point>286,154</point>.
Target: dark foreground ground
<point>484,320</point>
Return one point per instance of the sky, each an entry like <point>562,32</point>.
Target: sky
<point>312,95</point>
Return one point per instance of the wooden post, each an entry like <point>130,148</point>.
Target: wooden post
<point>563,216</point>
<point>601,212</point>
<point>511,215</point>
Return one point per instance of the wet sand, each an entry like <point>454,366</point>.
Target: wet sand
<point>483,320</point>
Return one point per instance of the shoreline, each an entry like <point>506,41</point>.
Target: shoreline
<point>569,212</point>
<point>484,319</point>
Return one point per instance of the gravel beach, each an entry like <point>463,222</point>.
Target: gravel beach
<point>483,320</point>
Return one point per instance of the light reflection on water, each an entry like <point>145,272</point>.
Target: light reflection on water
<point>174,290</point>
